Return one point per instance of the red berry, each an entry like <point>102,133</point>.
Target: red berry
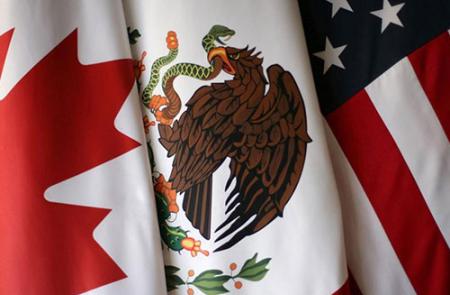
<point>238,284</point>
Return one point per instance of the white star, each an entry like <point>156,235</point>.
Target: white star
<point>389,14</point>
<point>330,56</point>
<point>338,4</point>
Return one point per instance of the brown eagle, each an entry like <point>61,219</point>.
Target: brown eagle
<point>262,131</point>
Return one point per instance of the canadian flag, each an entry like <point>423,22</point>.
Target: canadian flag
<point>77,212</point>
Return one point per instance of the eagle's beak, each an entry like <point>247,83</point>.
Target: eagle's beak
<point>222,53</point>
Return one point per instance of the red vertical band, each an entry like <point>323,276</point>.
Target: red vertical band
<point>394,194</point>
<point>432,66</point>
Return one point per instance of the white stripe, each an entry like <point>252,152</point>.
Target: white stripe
<point>412,122</point>
<point>370,256</point>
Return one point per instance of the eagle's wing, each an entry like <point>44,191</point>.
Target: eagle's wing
<point>269,158</point>
<point>200,141</point>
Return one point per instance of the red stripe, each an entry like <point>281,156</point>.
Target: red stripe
<point>394,194</point>
<point>432,66</point>
<point>5,39</point>
<point>349,287</point>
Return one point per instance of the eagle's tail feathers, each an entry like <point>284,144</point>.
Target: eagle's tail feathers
<point>197,206</point>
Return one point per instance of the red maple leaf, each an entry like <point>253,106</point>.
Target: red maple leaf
<point>57,122</point>
<point>4,45</point>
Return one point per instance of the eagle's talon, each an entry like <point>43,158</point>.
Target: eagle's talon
<point>157,101</point>
<point>159,115</point>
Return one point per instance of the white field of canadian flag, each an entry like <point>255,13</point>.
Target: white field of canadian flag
<point>128,235</point>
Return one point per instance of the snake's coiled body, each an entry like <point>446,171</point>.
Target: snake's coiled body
<point>188,69</point>
<point>173,103</point>
<point>155,73</point>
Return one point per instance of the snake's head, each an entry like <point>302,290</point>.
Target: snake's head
<point>221,33</point>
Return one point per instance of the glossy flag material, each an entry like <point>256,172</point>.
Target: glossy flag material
<point>224,147</point>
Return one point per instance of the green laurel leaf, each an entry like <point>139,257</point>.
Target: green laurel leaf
<point>211,282</point>
<point>253,270</point>
<point>169,269</point>
<point>172,280</point>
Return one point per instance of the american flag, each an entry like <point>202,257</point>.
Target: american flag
<point>382,74</point>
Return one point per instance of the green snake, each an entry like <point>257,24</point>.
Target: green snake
<point>194,70</point>
<point>215,34</point>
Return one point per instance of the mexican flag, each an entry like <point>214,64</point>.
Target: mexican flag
<point>243,178</point>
